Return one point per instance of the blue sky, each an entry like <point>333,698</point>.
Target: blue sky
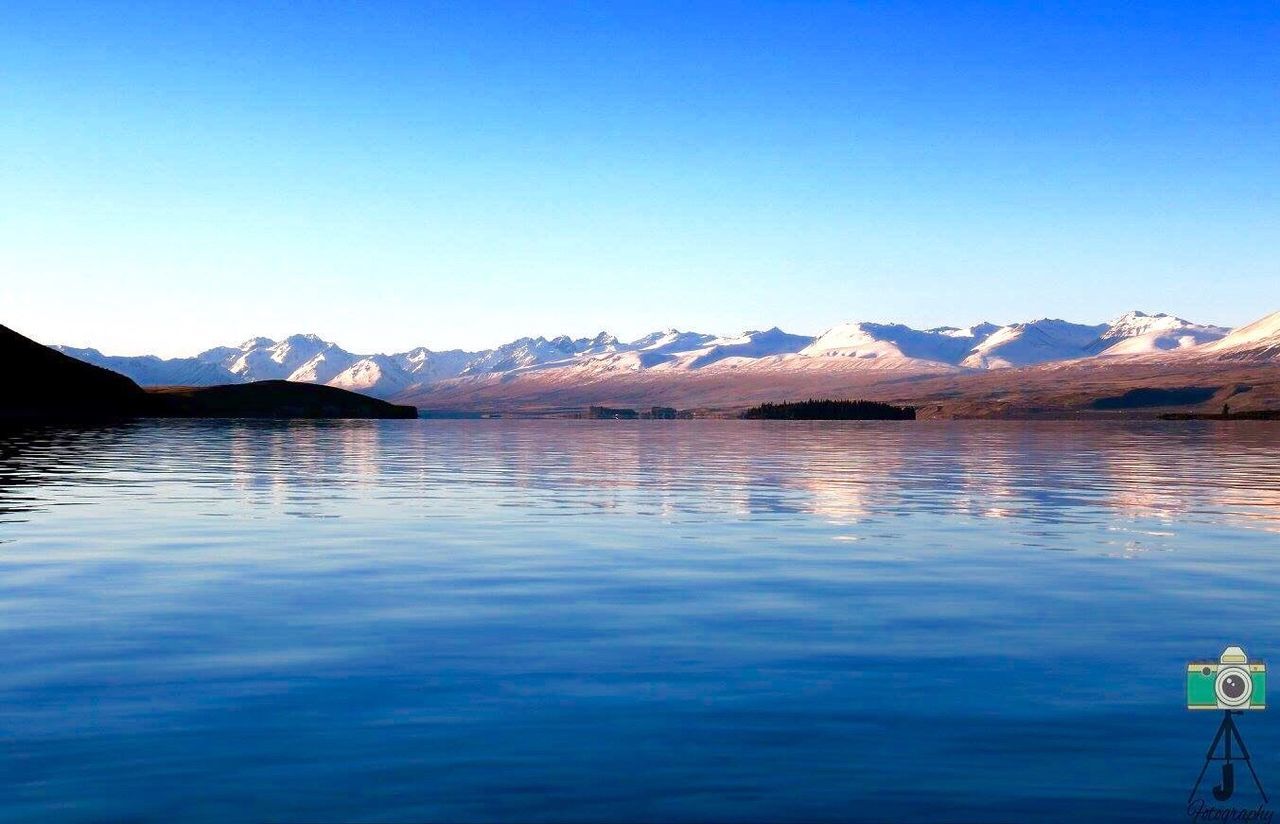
<point>181,175</point>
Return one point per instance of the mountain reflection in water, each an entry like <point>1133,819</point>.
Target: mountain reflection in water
<point>578,620</point>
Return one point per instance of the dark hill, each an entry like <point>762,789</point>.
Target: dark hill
<point>43,384</point>
<point>271,399</point>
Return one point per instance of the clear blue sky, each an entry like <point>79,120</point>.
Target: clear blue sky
<point>176,176</point>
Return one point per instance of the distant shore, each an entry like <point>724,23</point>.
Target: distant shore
<point>1257,415</point>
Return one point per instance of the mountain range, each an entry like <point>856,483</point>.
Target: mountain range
<point>653,367</point>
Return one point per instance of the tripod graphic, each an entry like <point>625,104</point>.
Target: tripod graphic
<point>1226,731</point>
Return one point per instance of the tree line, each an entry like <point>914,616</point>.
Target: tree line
<point>829,410</point>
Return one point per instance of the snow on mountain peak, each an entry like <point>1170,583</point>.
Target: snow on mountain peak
<point>750,345</point>
<point>976,332</point>
<point>522,353</point>
<point>1260,339</point>
<point>296,353</point>
<point>1137,323</point>
<point>427,366</point>
<point>672,340</point>
<point>1138,333</point>
<point>853,345</point>
<point>149,370</point>
<point>375,374</point>
<point>1264,329</point>
<point>890,344</point>
<point>324,366</point>
<point>1037,341</point>
<point>600,344</point>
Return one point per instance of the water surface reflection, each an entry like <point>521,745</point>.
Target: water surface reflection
<point>577,620</point>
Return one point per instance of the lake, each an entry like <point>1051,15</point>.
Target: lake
<point>501,620</point>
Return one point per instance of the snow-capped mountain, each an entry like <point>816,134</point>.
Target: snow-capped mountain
<point>748,346</point>
<point>1137,333</point>
<point>311,358</point>
<point>220,355</point>
<point>1025,344</point>
<point>1259,340</point>
<point>846,348</point>
<point>380,375</point>
<point>672,340</point>
<point>659,350</point>
<point>324,366</point>
<point>894,345</point>
<point>601,344</point>
<point>428,367</point>
<point>673,350</point>
<point>523,353</point>
<point>148,370</point>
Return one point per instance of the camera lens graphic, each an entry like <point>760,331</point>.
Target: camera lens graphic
<point>1233,686</point>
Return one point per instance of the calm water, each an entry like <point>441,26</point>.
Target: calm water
<point>563,620</point>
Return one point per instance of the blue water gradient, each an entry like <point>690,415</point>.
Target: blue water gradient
<point>626,621</point>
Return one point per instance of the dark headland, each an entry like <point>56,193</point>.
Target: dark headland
<point>46,385</point>
<point>272,399</point>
